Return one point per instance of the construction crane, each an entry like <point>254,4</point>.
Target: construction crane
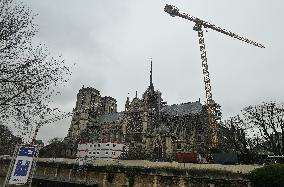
<point>199,25</point>
<point>47,121</point>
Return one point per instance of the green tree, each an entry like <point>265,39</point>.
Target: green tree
<point>55,149</point>
<point>268,176</point>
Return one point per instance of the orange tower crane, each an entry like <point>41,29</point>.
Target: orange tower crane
<point>199,24</point>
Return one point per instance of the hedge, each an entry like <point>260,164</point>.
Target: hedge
<point>268,176</point>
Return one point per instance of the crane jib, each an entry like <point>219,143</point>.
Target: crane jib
<point>174,11</point>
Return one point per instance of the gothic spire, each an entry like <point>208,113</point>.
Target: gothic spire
<point>151,81</point>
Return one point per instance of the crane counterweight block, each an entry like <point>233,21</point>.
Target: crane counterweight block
<point>172,10</point>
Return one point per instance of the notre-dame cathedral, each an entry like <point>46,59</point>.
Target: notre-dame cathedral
<point>151,128</point>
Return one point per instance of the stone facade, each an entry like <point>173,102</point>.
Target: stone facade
<point>89,106</point>
<point>152,129</point>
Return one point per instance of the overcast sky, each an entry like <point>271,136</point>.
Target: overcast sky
<point>111,42</point>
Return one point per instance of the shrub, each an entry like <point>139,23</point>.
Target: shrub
<point>271,175</point>
<point>110,173</point>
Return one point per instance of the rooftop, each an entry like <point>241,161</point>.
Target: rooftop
<point>182,109</point>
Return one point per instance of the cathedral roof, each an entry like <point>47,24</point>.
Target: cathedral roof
<point>182,109</point>
<point>107,118</point>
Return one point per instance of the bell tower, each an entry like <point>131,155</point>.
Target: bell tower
<point>86,110</point>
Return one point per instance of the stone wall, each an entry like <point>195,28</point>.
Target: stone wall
<point>143,173</point>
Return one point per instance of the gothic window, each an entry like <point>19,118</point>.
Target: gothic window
<point>199,138</point>
<point>134,123</point>
<point>83,100</point>
<point>179,146</point>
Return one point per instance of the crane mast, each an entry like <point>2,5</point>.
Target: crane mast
<point>208,93</point>
<point>199,24</point>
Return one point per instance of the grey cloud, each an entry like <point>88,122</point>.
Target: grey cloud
<point>111,42</point>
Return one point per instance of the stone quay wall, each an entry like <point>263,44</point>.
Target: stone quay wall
<point>140,173</point>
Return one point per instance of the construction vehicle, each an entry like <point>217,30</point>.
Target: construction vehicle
<point>188,157</point>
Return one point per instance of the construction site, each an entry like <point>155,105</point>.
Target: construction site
<point>149,142</point>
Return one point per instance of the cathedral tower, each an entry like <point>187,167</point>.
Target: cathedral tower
<point>86,110</point>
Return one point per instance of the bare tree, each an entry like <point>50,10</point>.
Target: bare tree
<point>29,75</point>
<point>236,138</point>
<point>259,130</point>
<point>7,141</point>
<point>267,122</point>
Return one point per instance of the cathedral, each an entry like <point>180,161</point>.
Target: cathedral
<point>152,129</point>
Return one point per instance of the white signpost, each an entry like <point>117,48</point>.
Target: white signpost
<point>22,165</point>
